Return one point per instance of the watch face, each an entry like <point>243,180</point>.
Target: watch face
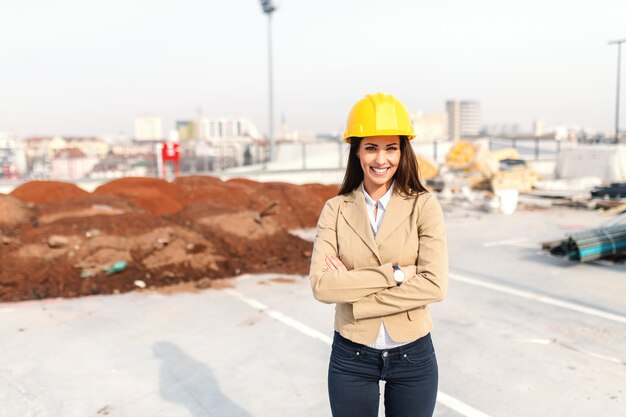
<point>398,275</point>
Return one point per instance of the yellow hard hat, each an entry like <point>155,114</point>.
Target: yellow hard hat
<point>378,114</point>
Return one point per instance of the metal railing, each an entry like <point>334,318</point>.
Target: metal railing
<point>308,156</point>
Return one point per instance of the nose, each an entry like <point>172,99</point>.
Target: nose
<point>380,157</point>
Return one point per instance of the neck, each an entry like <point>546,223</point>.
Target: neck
<point>377,191</point>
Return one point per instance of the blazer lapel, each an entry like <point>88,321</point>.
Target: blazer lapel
<point>355,214</point>
<point>399,208</point>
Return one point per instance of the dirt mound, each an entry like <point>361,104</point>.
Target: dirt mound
<point>13,212</point>
<point>243,224</point>
<point>47,191</point>
<point>293,206</point>
<point>156,196</point>
<point>143,232</point>
<point>296,205</point>
<point>91,205</point>
<point>211,189</point>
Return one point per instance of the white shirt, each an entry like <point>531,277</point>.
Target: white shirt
<point>383,341</point>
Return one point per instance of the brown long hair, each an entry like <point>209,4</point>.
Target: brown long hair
<point>407,180</point>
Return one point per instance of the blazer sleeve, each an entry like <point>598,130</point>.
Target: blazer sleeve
<point>430,283</point>
<point>341,286</point>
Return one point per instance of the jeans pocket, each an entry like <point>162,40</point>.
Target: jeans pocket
<point>421,358</point>
<point>421,355</point>
<point>342,352</point>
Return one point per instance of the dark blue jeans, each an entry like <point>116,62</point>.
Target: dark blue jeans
<point>410,373</point>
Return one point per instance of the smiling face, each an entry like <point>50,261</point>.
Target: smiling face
<point>379,157</point>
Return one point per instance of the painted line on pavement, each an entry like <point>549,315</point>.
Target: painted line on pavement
<point>529,295</point>
<point>301,327</point>
<point>459,406</point>
<point>443,398</point>
<point>505,242</point>
<point>574,348</point>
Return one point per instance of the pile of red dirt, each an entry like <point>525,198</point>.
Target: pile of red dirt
<point>156,196</point>
<point>142,232</point>
<point>293,206</point>
<point>47,191</point>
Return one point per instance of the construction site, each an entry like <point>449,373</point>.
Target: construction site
<point>190,297</point>
<point>59,240</point>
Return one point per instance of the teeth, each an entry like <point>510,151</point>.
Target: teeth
<point>379,170</point>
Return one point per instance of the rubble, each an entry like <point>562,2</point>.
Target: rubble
<point>493,177</point>
<point>471,165</point>
<point>196,228</point>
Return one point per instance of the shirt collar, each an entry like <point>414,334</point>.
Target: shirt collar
<point>384,200</point>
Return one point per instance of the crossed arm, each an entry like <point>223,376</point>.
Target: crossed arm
<point>372,290</point>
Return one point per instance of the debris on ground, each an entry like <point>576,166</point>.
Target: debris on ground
<point>133,233</point>
<point>607,242</point>
<point>486,170</point>
<point>489,180</point>
<point>616,190</point>
<point>496,177</point>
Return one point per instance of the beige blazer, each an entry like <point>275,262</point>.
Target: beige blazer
<point>412,232</point>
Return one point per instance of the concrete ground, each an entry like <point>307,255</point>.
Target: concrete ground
<point>520,334</point>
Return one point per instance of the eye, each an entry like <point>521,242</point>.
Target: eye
<point>370,148</point>
<point>392,148</point>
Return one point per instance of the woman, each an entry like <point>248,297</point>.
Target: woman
<point>380,255</point>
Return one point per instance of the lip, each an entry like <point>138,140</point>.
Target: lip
<point>381,173</point>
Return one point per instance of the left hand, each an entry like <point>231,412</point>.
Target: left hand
<point>335,264</point>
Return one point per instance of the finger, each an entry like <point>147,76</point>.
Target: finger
<point>340,265</point>
<point>330,263</point>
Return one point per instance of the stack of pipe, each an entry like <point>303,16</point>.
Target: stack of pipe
<point>590,245</point>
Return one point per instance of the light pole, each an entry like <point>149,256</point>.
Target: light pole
<point>268,8</point>
<point>619,61</point>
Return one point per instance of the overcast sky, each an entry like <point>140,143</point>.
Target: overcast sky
<point>88,67</point>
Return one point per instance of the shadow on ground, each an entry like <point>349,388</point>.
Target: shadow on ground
<point>190,383</point>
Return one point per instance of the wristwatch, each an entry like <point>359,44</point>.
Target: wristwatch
<point>398,274</point>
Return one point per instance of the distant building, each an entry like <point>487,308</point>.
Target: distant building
<point>135,148</point>
<point>47,146</point>
<point>463,118</point>
<point>213,129</point>
<point>72,163</point>
<point>118,166</point>
<point>40,151</point>
<point>430,127</point>
<point>91,146</point>
<point>503,129</point>
<point>12,156</point>
<point>148,127</point>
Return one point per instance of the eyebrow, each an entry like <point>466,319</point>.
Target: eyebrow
<point>374,144</point>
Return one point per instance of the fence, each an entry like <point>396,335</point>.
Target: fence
<point>201,158</point>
